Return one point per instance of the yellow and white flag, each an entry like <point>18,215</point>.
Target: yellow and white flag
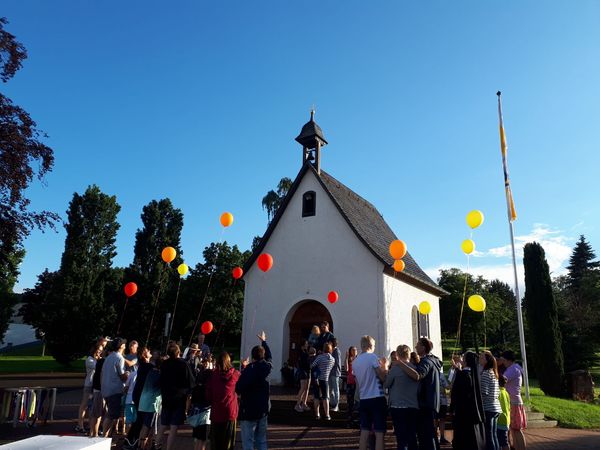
<point>510,204</point>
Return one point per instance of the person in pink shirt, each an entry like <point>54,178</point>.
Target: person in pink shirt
<point>518,419</point>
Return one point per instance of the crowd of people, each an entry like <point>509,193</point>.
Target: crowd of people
<point>143,394</point>
<point>482,392</point>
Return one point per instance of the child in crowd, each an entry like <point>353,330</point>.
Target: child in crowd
<point>504,418</point>
<point>441,416</point>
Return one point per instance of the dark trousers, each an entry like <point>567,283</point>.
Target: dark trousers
<point>222,435</point>
<point>405,427</point>
<point>350,391</point>
<point>426,429</point>
<point>491,428</point>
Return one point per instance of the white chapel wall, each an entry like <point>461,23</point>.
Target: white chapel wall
<point>312,256</point>
<point>400,298</point>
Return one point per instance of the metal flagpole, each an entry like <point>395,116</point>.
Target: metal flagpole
<point>519,313</point>
<point>511,217</point>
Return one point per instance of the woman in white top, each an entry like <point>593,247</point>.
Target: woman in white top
<point>90,367</point>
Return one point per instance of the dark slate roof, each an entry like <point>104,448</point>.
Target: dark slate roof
<point>366,222</point>
<point>309,131</point>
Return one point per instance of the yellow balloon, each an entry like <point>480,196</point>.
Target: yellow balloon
<point>226,219</point>
<point>475,218</point>
<point>476,303</point>
<point>399,265</point>
<point>425,307</point>
<point>468,246</point>
<point>182,269</point>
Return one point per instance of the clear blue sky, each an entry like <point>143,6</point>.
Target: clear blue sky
<point>200,102</point>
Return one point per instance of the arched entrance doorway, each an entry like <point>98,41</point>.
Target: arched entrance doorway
<point>306,315</point>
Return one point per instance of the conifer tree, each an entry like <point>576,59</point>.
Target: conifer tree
<point>80,303</point>
<point>157,281</point>
<point>545,338</point>
<point>581,263</point>
<point>579,307</point>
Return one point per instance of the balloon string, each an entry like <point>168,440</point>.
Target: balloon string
<point>122,315</point>
<point>230,300</point>
<point>212,272</point>
<point>160,285</point>
<point>262,285</point>
<point>462,308</point>
<point>174,310</point>
<point>484,331</point>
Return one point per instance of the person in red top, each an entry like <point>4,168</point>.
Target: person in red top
<point>350,384</point>
<point>220,392</point>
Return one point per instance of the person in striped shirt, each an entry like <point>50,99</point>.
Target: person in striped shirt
<point>324,362</point>
<point>490,391</point>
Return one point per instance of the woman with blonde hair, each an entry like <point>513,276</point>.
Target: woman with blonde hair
<point>404,405</point>
<point>220,392</point>
<point>313,338</point>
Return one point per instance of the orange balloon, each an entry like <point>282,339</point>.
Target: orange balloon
<point>168,254</point>
<point>399,265</point>
<point>397,249</point>
<point>226,219</point>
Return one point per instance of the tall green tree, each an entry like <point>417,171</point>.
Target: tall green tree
<point>581,264</point>
<point>23,157</point>
<point>497,329</point>
<point>224,296</point>
<point>272,201</point>
<point>80,304</point>
<point>502,328</point>
<point>578,297</point>
<point>157,281</point>
<point>472,328</point>
<point>545,337</point>
<point>8,299</point>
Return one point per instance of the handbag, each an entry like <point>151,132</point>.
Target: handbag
<point>199,416</point>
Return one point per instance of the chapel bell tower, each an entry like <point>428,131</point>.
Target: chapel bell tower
<point>312,140</point>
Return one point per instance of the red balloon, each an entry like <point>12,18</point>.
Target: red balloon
<point>265,262</point>
<point>237,273</point>
<point>206,327</point>
<point>333,297</point>
<point>130,289</point>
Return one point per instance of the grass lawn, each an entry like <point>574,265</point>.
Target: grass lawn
<point>31,364</point>
<point>568,413</point>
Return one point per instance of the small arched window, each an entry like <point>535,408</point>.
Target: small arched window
<point>309,204</point>
<point>420,324</point>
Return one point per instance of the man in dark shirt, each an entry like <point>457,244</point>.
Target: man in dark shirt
<point>253,386</point>
<point>176,383</point>
<point>325,336</point>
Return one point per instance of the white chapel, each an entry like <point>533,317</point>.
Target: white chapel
<point>323,238</point>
